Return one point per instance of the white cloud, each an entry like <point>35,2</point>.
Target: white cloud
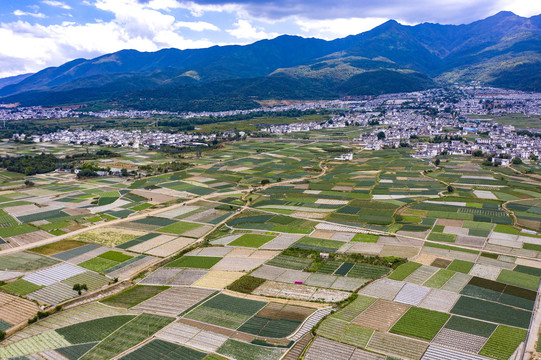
<point>334,28</point>
<point>196,25</point>
<point>244,30</point>
<point>23,13</point>
<point>26,47</point>
<point>58,4</point>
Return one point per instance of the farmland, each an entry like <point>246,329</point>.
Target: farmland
<point>207,261</point>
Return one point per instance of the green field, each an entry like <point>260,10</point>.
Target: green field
<point>98,264</point>
<point>93,330</point>
<point>490,311</point>
<point>20,287</point>
<point>470,326</point>
<point>251,240</point>
<point>460,266</point>
<point>129,335</point>
<point>178,228</point>
<point>439,279</point>
<point>420,323</point>
<point>115,256</point>
<point>503,342</point>
<point>404,270</point>
<point>519,279</point>
<point>133,296</point>
<point>158,349</point>
<point>198,262</point>
<point>56,247</point>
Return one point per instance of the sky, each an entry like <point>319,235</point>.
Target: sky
<point>35,34</point>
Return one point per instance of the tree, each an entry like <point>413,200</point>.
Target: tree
<point>533,157</point>
<point>517,161</point>
<point>265,182</point>
<point>79,288</point>
<point>450,189</point>
<point>28,183</point>
<point>478,153</point>
<point>124,172</point>
<point>437,162</point>
<point>381,135</point>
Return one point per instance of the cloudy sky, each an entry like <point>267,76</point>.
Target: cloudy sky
<point>35,34</point>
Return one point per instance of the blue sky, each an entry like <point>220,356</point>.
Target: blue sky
<point>35,34</point>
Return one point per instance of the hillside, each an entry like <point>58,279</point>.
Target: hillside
<point>502,50</point>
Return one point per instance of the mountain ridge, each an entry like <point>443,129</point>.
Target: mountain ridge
<point>484,51</point>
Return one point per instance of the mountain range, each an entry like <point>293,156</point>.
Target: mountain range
<point>503,50</point>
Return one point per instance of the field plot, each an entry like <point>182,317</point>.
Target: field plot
<point>503,342</point>
<point>173,301</point>
<point>244,351</point>
<point>183,334</point>
<point>351,311</point>
<point>20,287</point>
<point>420,323</point>
<point>108,236</point>
<point>44,341</point>
<point>53,274</point>
<point>404,270</point>
<point>133,296</point>
<point>411,294</point>
<point>439,300</point>
<point>227,311</point>
<point>289,262</point>
<point>276,320</point>
<point>436,352</point>
<point>159,349</point>
<point>25,262</point>
<point>381,315</point>
<point>76,252</point>
<point>57,247</point>
<point>93,330</point>
<point>500,292</point>
<point>251,240</point>
<point>14,310</point>
<point>53,294</point>
<point>383,289</point>
<point>92,280</point>
<point>490,311</point>
<point>397,346</point>
<point>174,276</point>
<point>332,350</point>
<point>129,335</point>
<point>198,262</point>
<point>218,279</point>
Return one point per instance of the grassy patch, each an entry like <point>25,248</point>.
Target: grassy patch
<point>133,296</point>
<point>252,240</point>
<point>420,323</point>
<point>198,262</point>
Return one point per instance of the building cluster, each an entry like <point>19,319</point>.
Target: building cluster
<point>112,137</point>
